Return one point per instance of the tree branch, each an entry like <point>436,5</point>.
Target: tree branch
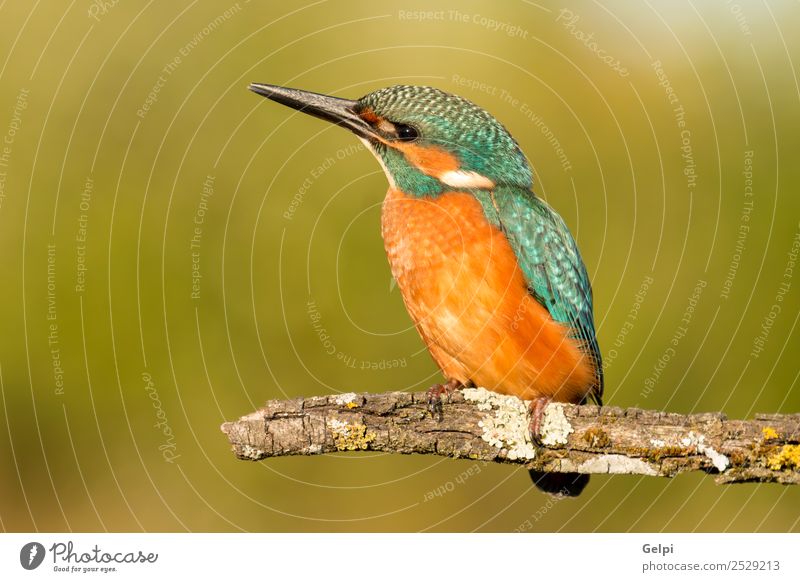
<point>481,425</point>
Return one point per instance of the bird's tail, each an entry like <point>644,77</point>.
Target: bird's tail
<point>559,484</point>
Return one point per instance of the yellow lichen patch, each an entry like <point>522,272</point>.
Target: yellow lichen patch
<point>596,438</point>
<point>769,433</point>
<point>351,405</point>
<point>350,437</point>
<point>787,457</point>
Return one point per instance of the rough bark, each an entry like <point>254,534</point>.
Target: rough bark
<point>480,425</point>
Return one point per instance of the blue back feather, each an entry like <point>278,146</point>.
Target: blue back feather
<point>552,264</point>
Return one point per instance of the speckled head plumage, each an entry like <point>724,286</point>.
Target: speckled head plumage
<point>428,141</point>
<point>480,144</point>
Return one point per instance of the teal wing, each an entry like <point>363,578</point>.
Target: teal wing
<point>552,264</point>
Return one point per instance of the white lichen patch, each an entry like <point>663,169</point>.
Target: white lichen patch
<point>616,465</point>
<point>480,396</point>
<point>349,399</point>
<point>555,426</point>
<point>507,429</point>
<point>658,443</point>
<point>720,461</point>
<point>338,427</point>
<point>251,452</point>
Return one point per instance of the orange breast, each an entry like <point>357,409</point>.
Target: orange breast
<point>467,296</point>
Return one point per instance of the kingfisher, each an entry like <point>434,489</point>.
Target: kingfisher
<point>488,271</point>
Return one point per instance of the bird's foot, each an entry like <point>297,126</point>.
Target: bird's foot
<point>536,410</point>
<point>435,406</point>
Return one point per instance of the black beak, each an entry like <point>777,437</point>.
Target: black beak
<point>339,111</point>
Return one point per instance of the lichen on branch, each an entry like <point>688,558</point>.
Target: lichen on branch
<point>481,425</point>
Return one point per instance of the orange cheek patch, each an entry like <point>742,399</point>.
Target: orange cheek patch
<point>432,161</point>
<point>369,116</point>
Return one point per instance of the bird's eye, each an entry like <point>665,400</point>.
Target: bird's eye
<point>405,132</point>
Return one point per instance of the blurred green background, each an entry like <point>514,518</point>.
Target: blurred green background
<point>169,240</point>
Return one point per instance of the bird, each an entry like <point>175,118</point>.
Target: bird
<point>489,273</point>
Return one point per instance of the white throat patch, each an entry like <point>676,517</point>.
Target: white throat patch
<point>462,179</point>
